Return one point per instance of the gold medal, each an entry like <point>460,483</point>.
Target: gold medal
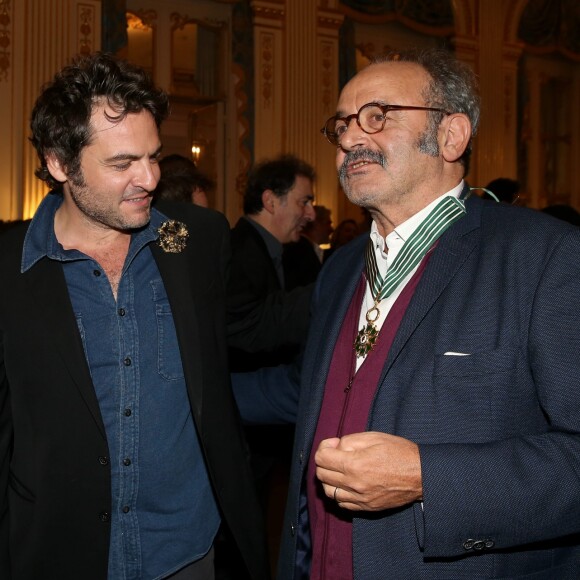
<point>368,334</point>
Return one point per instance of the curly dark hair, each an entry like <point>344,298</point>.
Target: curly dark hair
<point>277,174</point>
<point>61,118</point>
<point>453,87</point>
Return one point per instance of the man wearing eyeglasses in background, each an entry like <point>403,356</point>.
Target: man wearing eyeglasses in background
<point>438,426</point>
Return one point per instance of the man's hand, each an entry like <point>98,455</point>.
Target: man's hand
<point>372,471</point>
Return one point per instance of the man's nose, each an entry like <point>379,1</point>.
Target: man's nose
<point>353,137</point>
<point>309,213</point>
<point>147,175</point>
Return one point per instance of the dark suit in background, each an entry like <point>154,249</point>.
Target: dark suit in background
<point>266,324</point>
<point>301,264</point>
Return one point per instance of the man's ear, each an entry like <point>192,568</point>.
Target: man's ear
<point>456,135</point>
<point>269,200</point>
<point>55,168</point>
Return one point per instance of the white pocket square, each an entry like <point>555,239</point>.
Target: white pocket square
<point>451,353</point>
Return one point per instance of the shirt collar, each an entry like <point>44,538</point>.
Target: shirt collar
<point>40,240</point>
<point>402,232</point>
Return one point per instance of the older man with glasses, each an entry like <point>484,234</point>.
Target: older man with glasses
<point>437,432</point>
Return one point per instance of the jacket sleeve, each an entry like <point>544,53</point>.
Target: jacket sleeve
<point>523,489</point>
<point>268,395</point>
<point>280,319</point>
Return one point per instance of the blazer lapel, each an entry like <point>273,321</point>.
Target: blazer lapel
<point>53,309</point>
<point>454,247</point>
<point>176,275</point>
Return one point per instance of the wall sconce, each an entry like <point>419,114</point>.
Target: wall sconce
<point>196,151</point>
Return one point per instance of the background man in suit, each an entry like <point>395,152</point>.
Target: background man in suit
<point>438,430</point>
<point>120,445</point>
<point>303,259</point>
<point>277,206</point>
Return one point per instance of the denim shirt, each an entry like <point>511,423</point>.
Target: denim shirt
<point>164,515</point>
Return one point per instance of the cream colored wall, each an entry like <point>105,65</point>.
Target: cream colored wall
<point>296,86</point>
<point>487,40</point>
<point>41,36</point>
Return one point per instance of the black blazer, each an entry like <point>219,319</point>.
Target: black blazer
<point>54,466</point>
<point>301,264</point>
<point>266,323</point>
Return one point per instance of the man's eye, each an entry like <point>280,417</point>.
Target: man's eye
<point>121,166</point>
<point>340,129</point>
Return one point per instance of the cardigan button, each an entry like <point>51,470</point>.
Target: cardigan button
<point>105,517</point>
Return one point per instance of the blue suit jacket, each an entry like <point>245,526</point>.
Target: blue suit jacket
<point>498,429</point>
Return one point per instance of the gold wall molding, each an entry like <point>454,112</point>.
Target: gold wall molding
<point>178,21</point>
<point>5,37</point>
<point>266,72</point>
<point>272,10</point>
<point>37,37</point>
<point>327,74</point>
<point>141,19</point>
<point>86,16</point>
<point>269,91</point>
<point>332,21</point>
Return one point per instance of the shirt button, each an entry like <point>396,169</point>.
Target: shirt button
<point>292,530</point>
<point>127,412</point>
<point>126,462</point>
<point>105,517</point>
<point>103,460</point>
<point>121,312</point>
<point>127,362</point>
<point>126,509</point>
<point>96,273</point>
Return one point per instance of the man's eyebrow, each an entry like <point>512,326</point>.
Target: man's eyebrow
<point>343,114</point>
<point>121,157</point>
<point>130,156</point>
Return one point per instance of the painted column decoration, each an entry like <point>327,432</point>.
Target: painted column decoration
<point>5,38</point>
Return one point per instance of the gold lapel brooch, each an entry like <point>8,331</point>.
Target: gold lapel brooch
<point>173,236</point>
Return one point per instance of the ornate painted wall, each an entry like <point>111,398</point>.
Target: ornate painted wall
<point>282,65</point>
<point>36,38</point>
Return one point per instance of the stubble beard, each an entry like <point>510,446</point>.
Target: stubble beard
<point>101,215</point>
<point>427,141</point>
<point>426,144</point>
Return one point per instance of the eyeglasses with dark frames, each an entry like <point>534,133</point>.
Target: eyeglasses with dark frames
<point>371,118</point>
